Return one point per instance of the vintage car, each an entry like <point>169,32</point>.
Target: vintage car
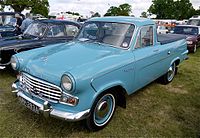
<point>192,33</point>
<point>7,24</point>
<point>87,78</point>
<point>162,29</point>
<point>38,34</point>
<point>194,20</point>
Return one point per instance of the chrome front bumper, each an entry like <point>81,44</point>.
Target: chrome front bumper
<point>47,110</point>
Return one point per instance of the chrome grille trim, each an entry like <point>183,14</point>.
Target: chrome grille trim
<point>40,88</point>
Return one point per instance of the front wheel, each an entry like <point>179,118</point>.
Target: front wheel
<point>169,76</point>
<point>101,112</point>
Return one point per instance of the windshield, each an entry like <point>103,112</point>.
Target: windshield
<point>186,30</point>
<point>115,34</point>
<point>7,20</point>
<point>194,22</point>
<point>36,29</point>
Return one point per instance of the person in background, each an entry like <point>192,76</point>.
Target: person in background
<point>18,24</point>
<point>26,22</point>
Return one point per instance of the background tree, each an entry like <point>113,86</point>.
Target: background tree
<point>96,15</point>
<point>183,9</point>
<point>36,6</point>
<point>162,8</point>
<point>122,10</point>
<point>197,12</point>
<point>170,9</point>
<point>144,14</point>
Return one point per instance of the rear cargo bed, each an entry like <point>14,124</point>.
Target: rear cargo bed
<point>169,38</point>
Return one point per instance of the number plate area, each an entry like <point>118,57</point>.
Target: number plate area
<point>29,105</point>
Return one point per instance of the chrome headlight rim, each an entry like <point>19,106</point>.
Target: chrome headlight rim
<point>67,78</point>
<point>14,63</point>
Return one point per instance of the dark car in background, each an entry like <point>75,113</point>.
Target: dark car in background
<point>39,34</point>
<point>7,24</point>
<point>192,35</point>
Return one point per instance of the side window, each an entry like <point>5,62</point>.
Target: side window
<point>145,37</point>
<point>71,30</point>
<point>56,31</point>
<point>90,31</point>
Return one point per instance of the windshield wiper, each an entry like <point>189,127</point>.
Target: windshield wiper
<point>89,40</point>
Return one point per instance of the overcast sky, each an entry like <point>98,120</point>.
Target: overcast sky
<point>84,7</point>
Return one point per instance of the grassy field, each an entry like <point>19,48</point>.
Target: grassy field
<point>157,110</point>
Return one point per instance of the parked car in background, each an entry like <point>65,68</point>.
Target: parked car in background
<point>7,24</point>
<point>87,78</point>
<point>194,20</point>
<point>162,29</point>
<point>192,33</point>
<point>38,34</point>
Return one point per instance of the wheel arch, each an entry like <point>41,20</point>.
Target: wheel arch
<point>176,61</point>
<point>119,92</point>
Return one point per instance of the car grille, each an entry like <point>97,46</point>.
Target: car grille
<point>40,88</point>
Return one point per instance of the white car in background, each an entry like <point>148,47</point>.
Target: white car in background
<point>162,30</point>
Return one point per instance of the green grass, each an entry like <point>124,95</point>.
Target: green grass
<point>157,110</point>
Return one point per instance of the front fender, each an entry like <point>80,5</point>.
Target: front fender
<point>123,77</point>
<point>100,86</point>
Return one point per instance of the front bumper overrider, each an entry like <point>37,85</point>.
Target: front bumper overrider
<point>48,111</point>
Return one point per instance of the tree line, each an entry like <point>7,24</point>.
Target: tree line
<point>163,9</point>
<point>173,9</point>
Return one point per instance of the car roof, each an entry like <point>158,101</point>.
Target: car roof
<point>54,21</point>
<point>9,13</point>
<point>123,19</point>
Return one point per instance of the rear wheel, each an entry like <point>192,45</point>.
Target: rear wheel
<point>169,76</point>
<point>194,49</point>
<point>101,112</point>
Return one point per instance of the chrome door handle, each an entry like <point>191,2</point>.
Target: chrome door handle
<point>169,52</point>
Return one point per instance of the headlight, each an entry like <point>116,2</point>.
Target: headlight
<point>66,83</point>
<point>189,42</point>
<point>14,63</point>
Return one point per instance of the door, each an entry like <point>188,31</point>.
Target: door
<point>146,57</point>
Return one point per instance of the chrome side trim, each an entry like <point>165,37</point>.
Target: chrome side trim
<point>185,52</point>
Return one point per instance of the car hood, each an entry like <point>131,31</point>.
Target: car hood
<point>13,42</point>
<point>75,58</point>
<point>191,37</point>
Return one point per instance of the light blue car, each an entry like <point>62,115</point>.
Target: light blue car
<point>88,77</point>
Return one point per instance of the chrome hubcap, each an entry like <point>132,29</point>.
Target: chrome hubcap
<point>195,48</point>
<point>104,109</point>
<point>171,72</point>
